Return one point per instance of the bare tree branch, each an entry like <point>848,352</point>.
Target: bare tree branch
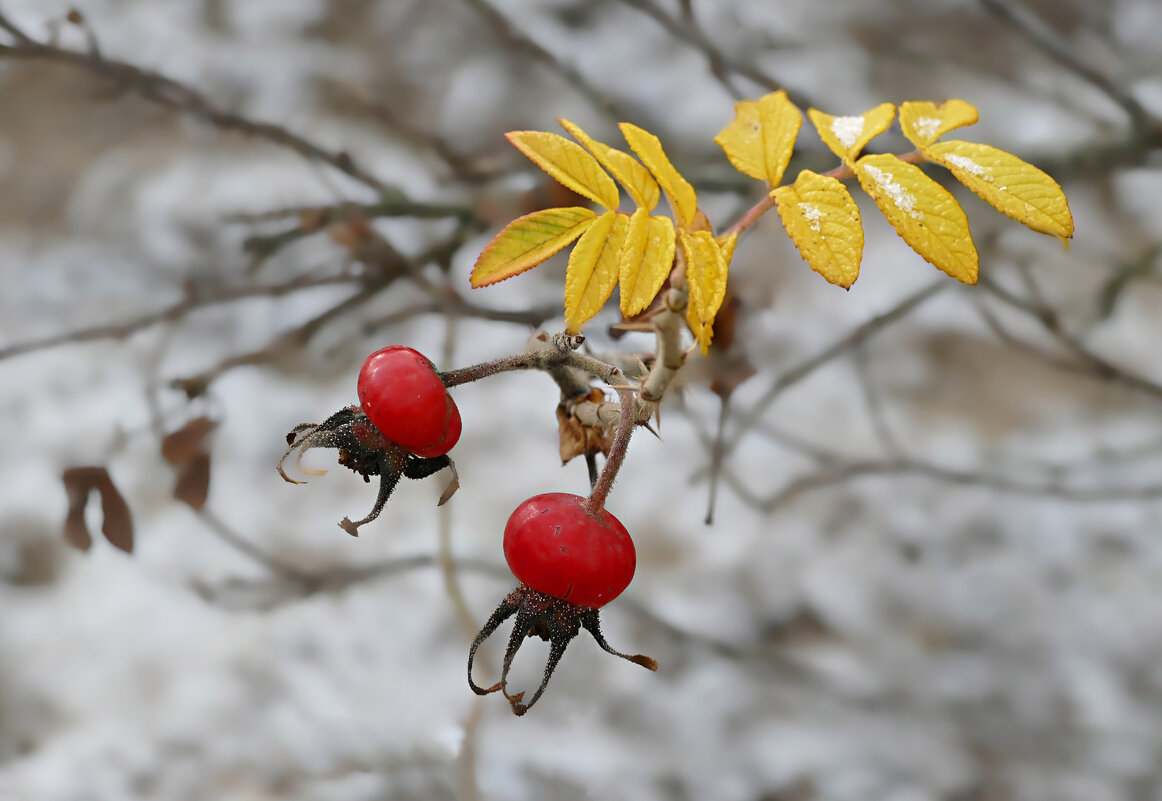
<point>1050,320</point>
<point>1033,28</point>
<point>171,94</point>
<point>851,470</point>
<point>720,63</point>
<point>527,45</point>
<point>199,299</point>
<point>861,333</point>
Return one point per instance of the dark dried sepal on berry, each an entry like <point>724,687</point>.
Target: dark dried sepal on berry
<point>363,450</point>
<point>553,620</point>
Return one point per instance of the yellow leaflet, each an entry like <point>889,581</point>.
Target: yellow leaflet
<point>924,123</point>
<point>625,168</point>
<point>1014,187</point>
<point>846,136</point>
<point>726,244</point>
<point>592,272</point>
<point>702,332</point>
<point>760,140</point>
<point>645,260</point>
<point>527,241</point>
<point>706,271</point>
<point>823,222</point>
<point>923,213</point>
<point>569,163</point>
<point>678,190</point>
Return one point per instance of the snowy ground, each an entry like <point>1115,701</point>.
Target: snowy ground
<point>900,636</point>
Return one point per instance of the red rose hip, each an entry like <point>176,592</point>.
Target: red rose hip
<point>570,563</point>
<point>554,545</point>
<point>405,399</point>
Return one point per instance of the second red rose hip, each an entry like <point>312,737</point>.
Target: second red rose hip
<point>404,398</point>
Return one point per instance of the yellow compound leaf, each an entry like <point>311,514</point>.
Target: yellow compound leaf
<point>647,254</point>
<point>569,163</point>
<point>706,270</point>
<point>924,123</point>
<point>923,213</point>
<point>1013,186</point>
<point>593,268</point>
<point>760,140</point>
<point>847,136</point>
<point>527,241</point>
<point>823,221</point>
<point>678,190</point>
<point>629,172</point>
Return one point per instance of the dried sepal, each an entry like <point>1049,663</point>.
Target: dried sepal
<point>554,621</point>
<point>364,450</point>
<point>117,525</point>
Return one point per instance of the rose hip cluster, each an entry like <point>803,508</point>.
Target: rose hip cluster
<point>570,560</point>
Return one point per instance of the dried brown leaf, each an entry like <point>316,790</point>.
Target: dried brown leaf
<point>576,438</point>
<point>185,444</point>
<point>193,484</point>
<point>117,525</point>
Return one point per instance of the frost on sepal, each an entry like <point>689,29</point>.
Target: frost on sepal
<point>823,221</point>
<point>924,213</point>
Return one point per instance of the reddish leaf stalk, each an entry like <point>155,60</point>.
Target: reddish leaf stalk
<point>842,172</point>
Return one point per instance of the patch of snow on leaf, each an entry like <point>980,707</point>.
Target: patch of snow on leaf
<point>847,129</point>
<point>928,126</point>
<point>969,166</point>
<point>903,199</point>
<point>813,215</point>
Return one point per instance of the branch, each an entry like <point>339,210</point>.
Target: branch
<point>719,61</point>
<point>1036,31</point>
<point>850,471</point>
<point>196,385</point>
<point>200,299</point>
<point>524,43</point>
<point>171,94</point>
<point>859,334</point>
<point>1098,366</point>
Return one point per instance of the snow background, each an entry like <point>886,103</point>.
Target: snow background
<point>892,638</point>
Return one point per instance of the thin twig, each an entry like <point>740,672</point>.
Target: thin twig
<point>196,385</point>
<point>524,43</point>
<point>171,94</point>
<point>691,34</point>
<point>1098,366</point>
<point>850,471</point>
<point>239,543</point>
<point>861,333</point>
<point>202,298</point>
<point>1035,30</point>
